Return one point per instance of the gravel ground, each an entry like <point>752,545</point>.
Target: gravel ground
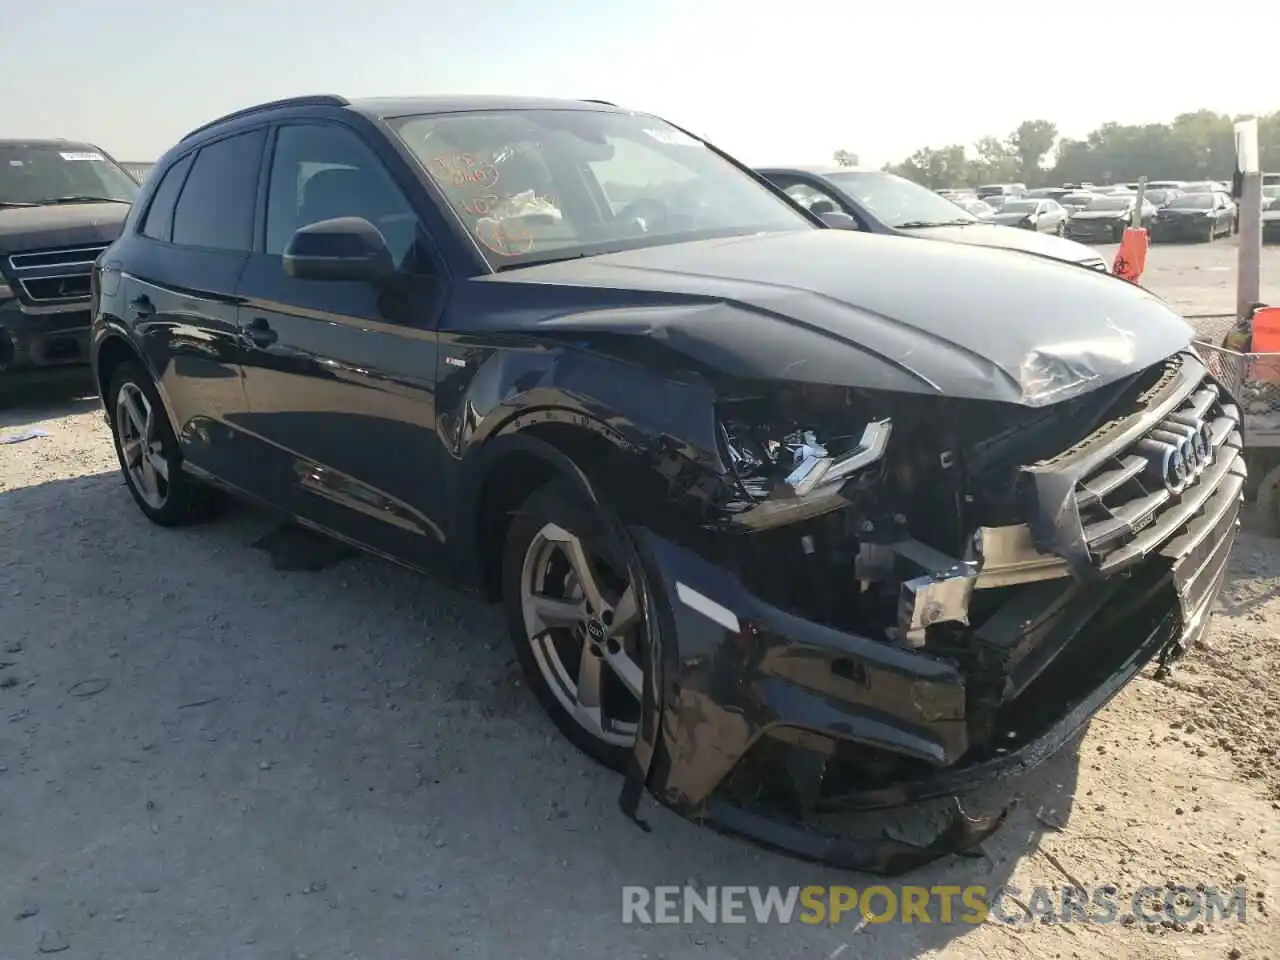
<point>204,757</point>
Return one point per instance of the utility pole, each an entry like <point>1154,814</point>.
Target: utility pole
<point>1137,207</point>
<point>1247,189</point>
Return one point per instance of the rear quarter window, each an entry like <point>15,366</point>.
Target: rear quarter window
<point>158,222</point>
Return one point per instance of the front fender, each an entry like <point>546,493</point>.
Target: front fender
<point>633,406</point>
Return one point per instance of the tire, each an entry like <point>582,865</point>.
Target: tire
<point>1061,229</point>
<point>174,498</point>
<point>1213,232</point>
<point>539,562</point>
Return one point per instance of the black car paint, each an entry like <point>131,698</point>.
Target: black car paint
<point>978,233</point>
<point>1191,223</point>
<point>622,352</point>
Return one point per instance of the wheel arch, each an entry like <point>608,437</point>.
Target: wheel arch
<point>113,351</point>
<point>501,475</point>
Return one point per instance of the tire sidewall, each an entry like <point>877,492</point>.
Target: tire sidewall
<point>560,504</point>
<point>177,507</point>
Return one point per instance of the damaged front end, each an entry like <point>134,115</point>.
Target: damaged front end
<point>879,599</point>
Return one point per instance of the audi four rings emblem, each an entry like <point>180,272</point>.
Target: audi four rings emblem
<point>1179,450</point>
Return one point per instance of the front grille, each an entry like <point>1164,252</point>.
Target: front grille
<point>69,257</point>
<point>64,287</point>
<point>54,276</point>
<point>1149,491</point>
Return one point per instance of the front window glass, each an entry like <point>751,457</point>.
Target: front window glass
<point>1110,203</point>
<point>39,174</point>
<point>1192,201</point>
<point>898,201</point>
<point>533,185</point>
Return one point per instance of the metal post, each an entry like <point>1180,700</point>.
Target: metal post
<point>1137,209</point>
<point>1249,176</point>
<point>1249,265</point>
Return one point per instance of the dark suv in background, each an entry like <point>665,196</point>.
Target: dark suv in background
<point>785,520</point>
<point>61,203</point>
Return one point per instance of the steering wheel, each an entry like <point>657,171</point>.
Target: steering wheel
<point>646,213</point>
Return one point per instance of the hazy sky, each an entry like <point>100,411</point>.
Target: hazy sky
<point>772,83</point>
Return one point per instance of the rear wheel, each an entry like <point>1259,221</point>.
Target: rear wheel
<point>574,615</point>
<point>148,451</point>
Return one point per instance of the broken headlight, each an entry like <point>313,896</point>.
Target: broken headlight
<point>790,458</point>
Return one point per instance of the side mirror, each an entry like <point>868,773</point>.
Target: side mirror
<point>838,221</point>
<point>345,248</point>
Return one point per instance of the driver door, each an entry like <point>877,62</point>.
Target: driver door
<point>340,374</point>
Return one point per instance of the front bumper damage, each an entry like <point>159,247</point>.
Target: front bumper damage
<point>1099,583</point>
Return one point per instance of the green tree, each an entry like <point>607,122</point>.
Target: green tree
<point>1030,143</point>
<point>1197,145</point>
<point>845,158</point>
<point>935,168</point>
<point>996,162</point>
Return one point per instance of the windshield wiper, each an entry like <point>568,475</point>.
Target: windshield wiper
<point>17,203</point>
<point>917,224</point>
<point>542,262</point>
<point>84,199</point>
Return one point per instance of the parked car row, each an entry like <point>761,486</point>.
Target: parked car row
<point>1171,209</point>
<point>785,520</point>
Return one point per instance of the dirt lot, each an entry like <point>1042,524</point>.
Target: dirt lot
<point>203,757</point>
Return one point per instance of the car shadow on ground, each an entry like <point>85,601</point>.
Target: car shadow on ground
<point>21,405</point>
<point>314,760</point>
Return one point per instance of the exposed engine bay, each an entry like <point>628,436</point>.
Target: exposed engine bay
<point>921,525</point>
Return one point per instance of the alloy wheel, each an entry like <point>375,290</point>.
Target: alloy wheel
<point>584,628</point>
<point>141,448</point>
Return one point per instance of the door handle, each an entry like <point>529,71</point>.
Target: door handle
<point>142,307</point>
<point>259,332</point>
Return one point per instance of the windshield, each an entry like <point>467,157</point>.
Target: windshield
<point>1110,203</point>
<point>536,185</point>
<point>1159,195</point>
<point>896,200</point>
<point>1192,201</point>
<point>1019,206</point>
<point>1078,199</point>
<point>33,174</point>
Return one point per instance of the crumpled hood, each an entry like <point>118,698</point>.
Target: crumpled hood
<point>1012,216</point>
<point>1027,241</point>
<point>841,307</point>
<point>63,225</point>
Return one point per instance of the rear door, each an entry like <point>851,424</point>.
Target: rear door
<point>341,374</point>
<point>193,244</point>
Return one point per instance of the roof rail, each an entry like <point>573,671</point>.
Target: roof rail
<point>315,100</point>
<point>604,102</point>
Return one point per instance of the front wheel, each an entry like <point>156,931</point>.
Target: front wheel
<point>574,608</point>
<point>1213,232</point>
<point>148,451</point>
<point>1061,229</point>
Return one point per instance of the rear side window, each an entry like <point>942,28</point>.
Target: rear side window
<point>217,203</point>
<point>158,224</point>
